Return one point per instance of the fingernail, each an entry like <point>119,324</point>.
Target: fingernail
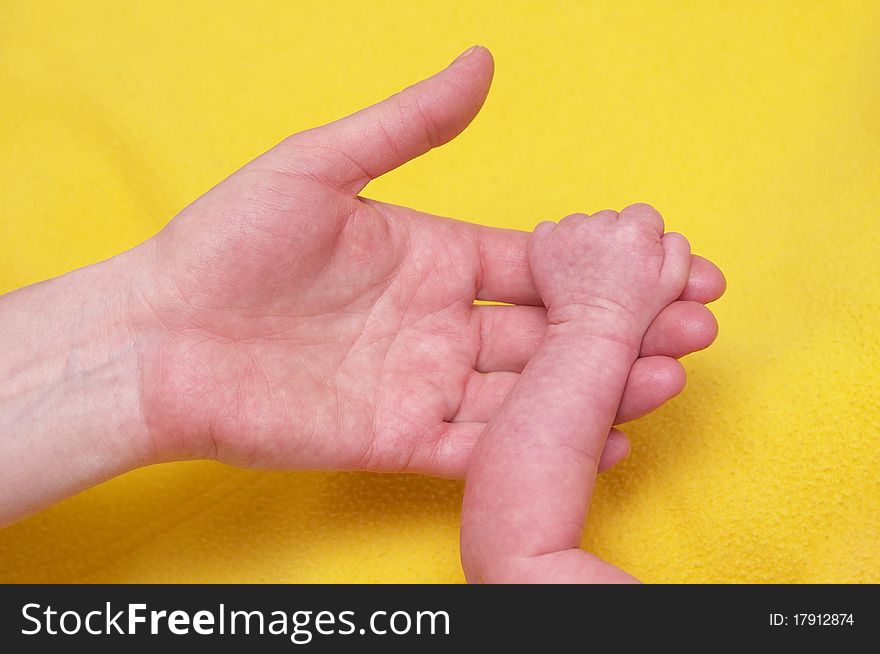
<point>465,53</point>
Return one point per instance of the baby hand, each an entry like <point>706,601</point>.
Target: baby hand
<point>603,279</point>
<point>608,273</point>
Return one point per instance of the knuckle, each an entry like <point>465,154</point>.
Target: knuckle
<point>574,218</point>
<point>608,214</point>
<point>644,212</point>
<point>641,207</point>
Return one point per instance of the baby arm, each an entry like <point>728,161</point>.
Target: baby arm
<point>603,279</point>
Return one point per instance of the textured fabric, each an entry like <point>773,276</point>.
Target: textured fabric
<point>752,126</point>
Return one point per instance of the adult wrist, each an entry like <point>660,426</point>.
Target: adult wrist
<point>69,404</point>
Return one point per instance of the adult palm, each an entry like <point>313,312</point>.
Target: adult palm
<point>288,322</point>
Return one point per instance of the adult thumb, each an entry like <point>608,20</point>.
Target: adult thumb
<point>349,152</point>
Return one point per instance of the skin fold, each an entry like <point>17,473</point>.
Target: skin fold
<point>284,321</point>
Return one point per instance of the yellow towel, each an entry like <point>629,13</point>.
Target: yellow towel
<point>753,126</point>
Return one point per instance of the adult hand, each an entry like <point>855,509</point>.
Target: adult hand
<point>283,321</point>
<point>287,322</point>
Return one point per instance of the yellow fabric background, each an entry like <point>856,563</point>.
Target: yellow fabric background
<point>753,126</point>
